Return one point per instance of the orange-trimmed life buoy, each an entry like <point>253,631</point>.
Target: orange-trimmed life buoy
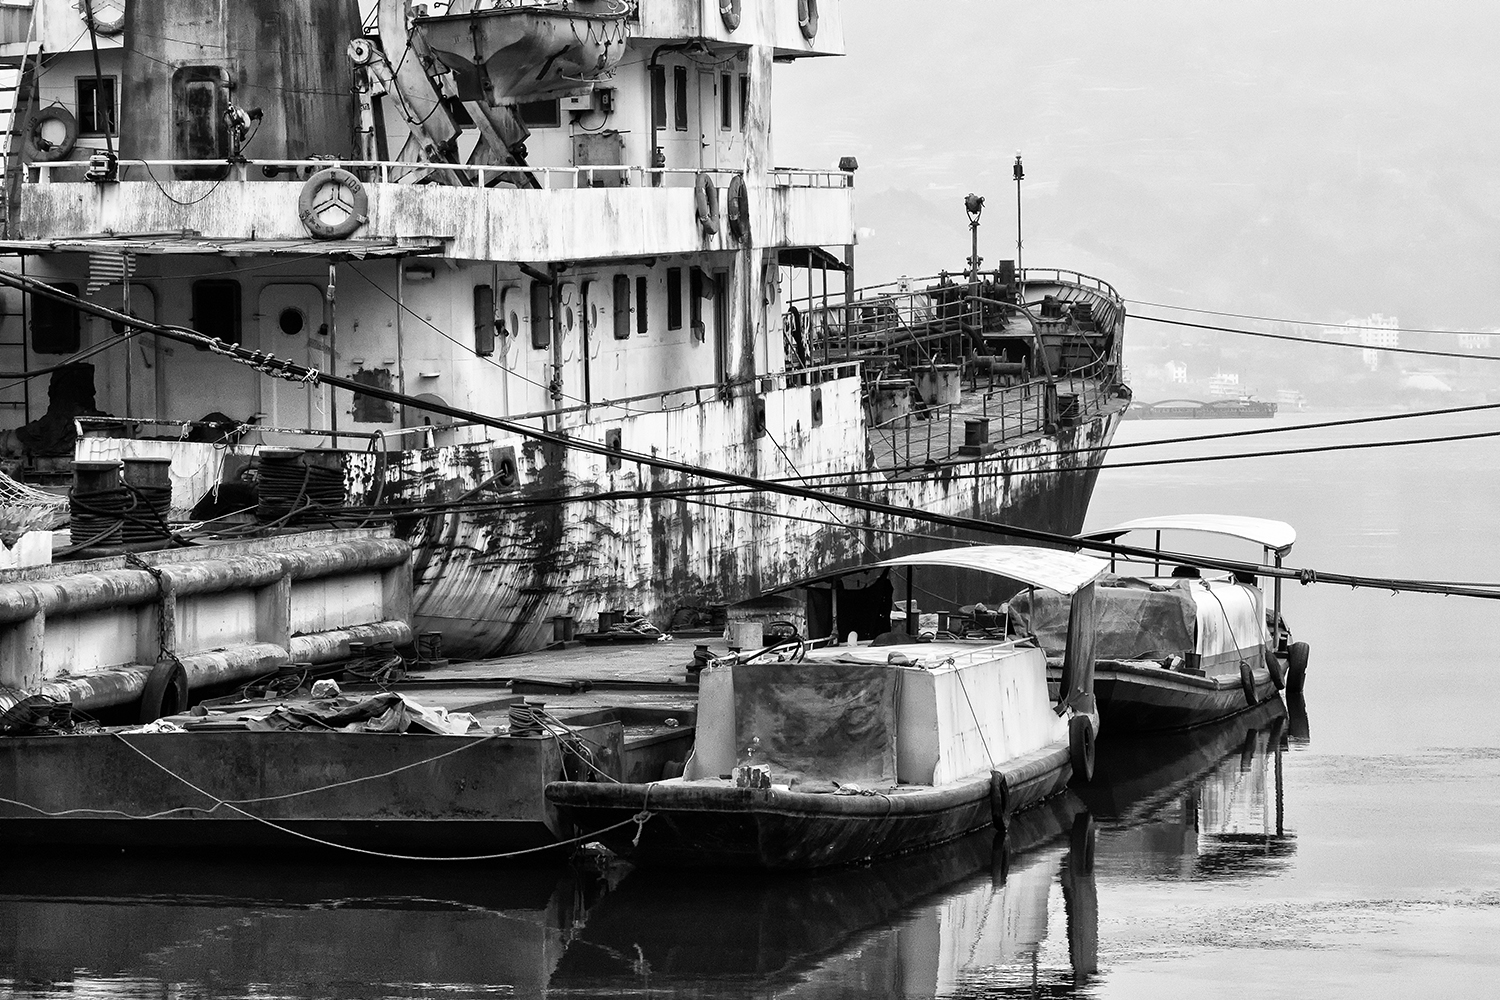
<point>108,17</point>
<point>807,18</point>
<point>739,209</point>
<point>707,199</point>
<point>37,148</point>
<point>333,204</point>
<point>729,10</point>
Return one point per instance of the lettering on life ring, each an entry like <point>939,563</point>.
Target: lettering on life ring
<point>729,10</point>
<point>333,204</point>
<point>739,209</point>
<point>707,199</point>
<point>807,18</point>
<point>38,148</point>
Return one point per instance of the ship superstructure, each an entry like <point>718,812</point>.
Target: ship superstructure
<point>567,213</point>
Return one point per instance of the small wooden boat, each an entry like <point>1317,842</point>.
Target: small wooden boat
<point>1179,646</point>
<point>807,758</point>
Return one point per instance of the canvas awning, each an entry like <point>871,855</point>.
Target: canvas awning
<point>1052,569</point>
<point>1278,536</point>
<point>178,243</point>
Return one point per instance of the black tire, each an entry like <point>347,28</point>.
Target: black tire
<point>1296,667</point>
<point>166,691</point>
<point>999,802</point>
<point>1081,841</point>
<point>1275,668</point>
<point>35,149</point>
<point>1247,682</point>
<point>1081,748</point>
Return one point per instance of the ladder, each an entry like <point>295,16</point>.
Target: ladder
<point>18,64</point>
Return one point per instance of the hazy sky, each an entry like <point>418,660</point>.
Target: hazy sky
<point>1313,159</point>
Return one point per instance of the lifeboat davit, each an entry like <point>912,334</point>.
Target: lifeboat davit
<point>528,52</point>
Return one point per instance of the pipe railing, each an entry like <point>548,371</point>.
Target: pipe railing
<point>1014,412</point>
<point>481,175</point>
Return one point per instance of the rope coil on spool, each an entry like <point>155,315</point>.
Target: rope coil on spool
<point>296,491</point>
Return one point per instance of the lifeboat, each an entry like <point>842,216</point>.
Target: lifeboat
<point>520,52</point>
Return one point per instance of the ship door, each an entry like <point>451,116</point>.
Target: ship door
<point>708,120</point>
<point>571,356</point>
<point>125,378</point>
<point>290,318</point>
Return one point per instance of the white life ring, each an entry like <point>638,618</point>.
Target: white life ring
<point>37,148</point>
<point>706,199</point>
<point>108,15</point>
<point>333,204</point>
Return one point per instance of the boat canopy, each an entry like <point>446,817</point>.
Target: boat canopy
<point>1277,536</point>
<point>1051,569</point>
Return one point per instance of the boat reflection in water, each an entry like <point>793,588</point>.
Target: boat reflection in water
<point>975,912</point>
<point>1206,803</point>
<point>974,917</point>
<point>169,926</point>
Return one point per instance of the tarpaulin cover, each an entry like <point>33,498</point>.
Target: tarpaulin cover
<point>1136,620</point>
<point>829,721</point>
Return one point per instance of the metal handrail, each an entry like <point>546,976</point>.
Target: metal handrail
<point>287,171</point>
<point>383,168</point>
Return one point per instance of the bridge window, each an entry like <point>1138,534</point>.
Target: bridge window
<point>658,97</point>
<point>744,99</point>
<point>484,320</point>
<point>641,287</point>
<point>726,102</point>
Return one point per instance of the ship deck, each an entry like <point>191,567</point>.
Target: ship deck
<point>910,444</point>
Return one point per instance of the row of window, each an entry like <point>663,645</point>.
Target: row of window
<point>56,327</point>
<point>700,285</point>
<point>680,114</point>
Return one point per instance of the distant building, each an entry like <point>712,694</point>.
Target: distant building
<point>1224,385</point>
<point>1475,341</point>
<point>1374,332</point>
<point>1176,371</point>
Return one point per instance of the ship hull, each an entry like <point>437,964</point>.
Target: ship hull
<point>494,580</point>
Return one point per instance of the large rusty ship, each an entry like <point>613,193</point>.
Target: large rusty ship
<point>566,213</point>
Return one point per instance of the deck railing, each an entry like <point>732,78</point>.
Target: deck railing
<point>461,174</point>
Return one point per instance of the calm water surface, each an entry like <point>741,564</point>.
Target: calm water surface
<point>1346,848</point>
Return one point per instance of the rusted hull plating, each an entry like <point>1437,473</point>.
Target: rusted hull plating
<point>494,580</point>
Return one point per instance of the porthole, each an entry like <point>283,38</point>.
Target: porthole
<point>291,321</point>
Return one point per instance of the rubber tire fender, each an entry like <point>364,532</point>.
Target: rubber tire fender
<point>1247,682</point>
<point>1274,666</point>
<point>358,213</point>
<point>999,801</point>
<point>31,142</point>
<point>706,200</point>
<point>807,18</point>
<point>1296,667</point>
<point>738,206</point>
<point>166,691</point>
<point>1081,748</point>
<point>729,11</point>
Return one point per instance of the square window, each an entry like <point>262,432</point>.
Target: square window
<point>54,324</point>
<point>540,114</point>
<point>216,309</point>
<point>97,111</point>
